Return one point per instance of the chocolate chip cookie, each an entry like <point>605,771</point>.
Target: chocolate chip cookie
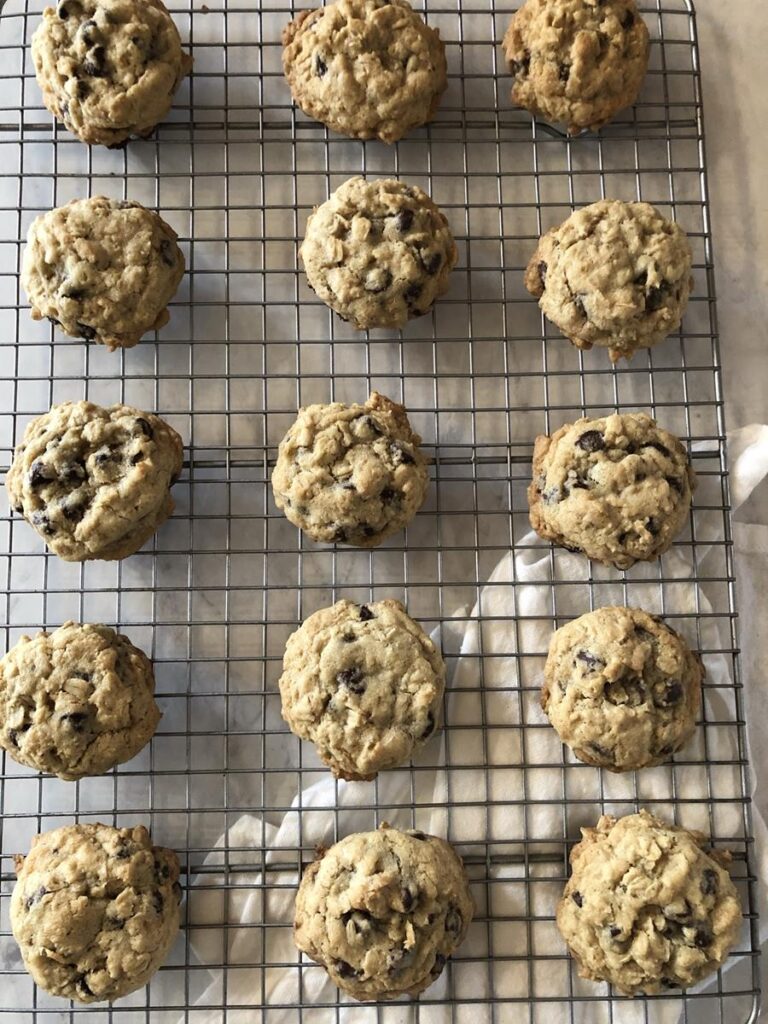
<point>102,269</point>
<point>382,911</point>
<point>108,69</point>
<point>647,908</point>
<point>614,274</point>
<point>95,482</point>
<point>95,910</point>
<point>351,474</point>
<point>76,701</point>
<point>621,688</point>
<point>577,62</point>
<point>366,68</point>
<point>378,252</point>
<point>617,488</point>
<point>364,683</point>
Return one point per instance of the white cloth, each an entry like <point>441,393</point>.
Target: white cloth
<point>499,795</point>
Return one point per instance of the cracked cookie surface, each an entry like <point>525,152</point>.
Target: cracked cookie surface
<point>76,701</point>
<point>364,683</point>
<point>614,274</point>
<point>95,910</point>
<point>95,482</point>
<point>366,68</point>
<point>383,911</point>
<point>621,688</point>
<point>351,474</point>
<point>577,62</point>
<point>378,252</point>
<point>646,907</point>
<point>616,488</point>
<point>102,269</point>
<point>108,69</point>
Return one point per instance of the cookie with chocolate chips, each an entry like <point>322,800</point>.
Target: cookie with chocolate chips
<point>366,68</point>
<point>378,252</point>
<point>76,701</point>
<point>102,269</point>
<point>621,688</point>
<point>614,274</point>
<point>617,488</point>
<point>647,907</point>
<point>577,62</point>
<point>351,474</point>
<point>95,482</point>
<point>364,683</point>
<point>108,69</point>
<point>95,910</point>
<point>382,911</point>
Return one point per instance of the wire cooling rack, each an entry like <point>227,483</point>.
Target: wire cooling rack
<point>236,170</point>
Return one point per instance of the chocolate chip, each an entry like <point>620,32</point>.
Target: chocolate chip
<point>360,920</point>
<point>87,31</point>
<point>675,483</point>
<point>602,752</point>
<point>654,300</point>
<point>39,473</point>
<point>652,527</point>
<point>630,691</point>
<point>85,331</point>
<point>352,679</point>
<point>403,220</point>
<point>577,898</point>
<point>438,965</point>
<point>431,263</point>
<point>412,292</point>
<point>708,882</point>
<point>702,938</point>
<point>429,728</point>
<point>348,638</point>
<point>388,495</point>
<point>72,473</point>
<point>614,931</point>
<point>518,67</point>
<point>453,921</point>
<point>377,281</point>
<point>104,455</point>
<point>658,446</point>
<point>76,720</point>
<point>669,983</point>
<point>578,303</point>
<point>673,694</point>
<point>642,278</point>
<point>136,458</point>
<point>93,65</point>
<point>418,835</point>
<point>400,456</point>
<point>407,898</point>
<point>320,66</point>
<point>145,427</point>
<point>41,522</point>
<point>592,661</point>
<point>591,441</point>
<point>73,509</point>
<point>564,72</point>
<point>369,531</point>
<point>36,896</point>
<point>366,613</point>
<point>628,20</point>
<point>542,269</point>
<point>158,901</point>
<point>83,90</point>
<point>82,986</point>
<point>340,536</point>
<point>344,970</point>
<point>64,10</point>
<point>76,294</point>
<point>167,252</point>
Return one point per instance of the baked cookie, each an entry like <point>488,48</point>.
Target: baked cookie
<point>366,68</point>
<point>76,701</point>
<point>108,69</point>
<point>617,488</point>
<point>102,269</point>
<point>577,62</point>
<point>378,252</point>
<point>95,482</point>
<point>614,274</point>
<point>364,683</point>
<point>351,474</point>
<point>646,907</point>
<point>95,910</point>
<point>382,911</point>
<point>621,688</point>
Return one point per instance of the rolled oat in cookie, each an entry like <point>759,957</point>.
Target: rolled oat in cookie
<point>577,62</point>
<point>365,68</point>
<point>102,269</point>
<point>647,907</point>
<point>616,488</point>
<point>364,683</point>
<point>351,474</point>
<point>621,688</point>
<point>95,910</point>
<point>383,911</point>
<point>108,69</point>
<point>94,482</point>
<point>614,274</point>
<point>76,701</point>
<point>378,252</point>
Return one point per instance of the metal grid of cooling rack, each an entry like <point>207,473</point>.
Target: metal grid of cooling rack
<point>236,170</point>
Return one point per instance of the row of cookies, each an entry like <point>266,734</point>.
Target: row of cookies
<point>368,69</point>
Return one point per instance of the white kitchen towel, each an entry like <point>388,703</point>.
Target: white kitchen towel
<point>490,803</point>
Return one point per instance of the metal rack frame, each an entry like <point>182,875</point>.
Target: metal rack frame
<point>236,169</point>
